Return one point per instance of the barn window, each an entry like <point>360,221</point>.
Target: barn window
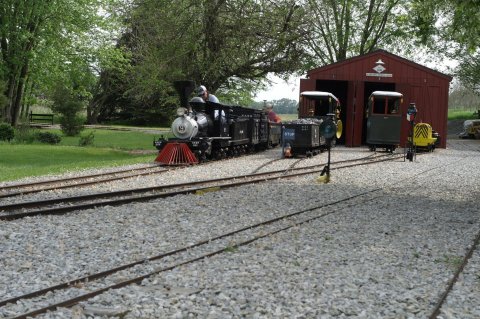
<point>386,105</point>
<point>379,105</point>
<point>393,105</point>
<point>321,107</point>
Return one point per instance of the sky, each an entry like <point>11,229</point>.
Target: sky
<point>280,89</point>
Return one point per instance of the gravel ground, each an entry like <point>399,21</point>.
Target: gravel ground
<point>390,256</point>
<point>225,168</point>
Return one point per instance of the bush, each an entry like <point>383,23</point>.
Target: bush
<point>6,132</point>
<point>48,137</point>
<point>69,108</point>
<point>70,123</point>
<point>25,134</point>
<point>87,139</point>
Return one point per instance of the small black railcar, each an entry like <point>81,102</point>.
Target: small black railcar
<point>306,136</point>
<point>208,130</point>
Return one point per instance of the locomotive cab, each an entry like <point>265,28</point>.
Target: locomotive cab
<point>384,120</point>
<point>320,105</point>
<point>304,136</point>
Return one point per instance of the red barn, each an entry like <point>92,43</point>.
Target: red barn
<point>353,80</point>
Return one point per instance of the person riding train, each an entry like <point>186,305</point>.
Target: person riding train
<point>272,116</point>
<point>205,95</point>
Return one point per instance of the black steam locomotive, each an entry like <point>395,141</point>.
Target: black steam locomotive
<point>208,130</point>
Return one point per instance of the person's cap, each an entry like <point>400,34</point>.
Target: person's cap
<point>201,90</point>
<point>269,106</point>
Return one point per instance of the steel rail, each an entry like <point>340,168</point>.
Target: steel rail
<point>106,273</point>
<point>81,184</point>
<point>76,300</point>
<point>454,279</point>
<point>51,181</point>
<point>258,177</point>
<point>73,301</point>
<point>266,164</point>
<point>84,177</point>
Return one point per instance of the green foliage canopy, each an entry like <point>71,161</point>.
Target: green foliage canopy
<point>451,27</point>
<point>45,42</point>
<point>229,46</point>
<point>342,29</point>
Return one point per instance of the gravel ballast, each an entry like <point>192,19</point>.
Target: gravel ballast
<point>390,256</point>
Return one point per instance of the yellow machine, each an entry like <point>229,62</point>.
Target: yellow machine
<point>424,137</point>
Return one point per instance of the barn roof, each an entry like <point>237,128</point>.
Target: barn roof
<point>376,52</point>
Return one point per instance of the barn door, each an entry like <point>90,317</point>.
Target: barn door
<point>353,127</point>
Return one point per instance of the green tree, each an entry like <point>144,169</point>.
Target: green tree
<point>213,42</point>
<point>450,27</point>
<point>341,29</point>
<point>285,106</point>
<point>38,39</point>
<point>463,98</point>
<point>469,70</point>
<point>68,105</point>
<point>229,46</point>
<point>3,98</point>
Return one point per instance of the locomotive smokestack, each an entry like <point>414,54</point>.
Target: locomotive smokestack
<point>184,89</point>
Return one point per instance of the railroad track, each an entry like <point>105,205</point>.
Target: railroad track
<point>266,164</point>
<point>443,297</point>
<point>78,203</point>
<point>200,250</point>
<point>79,181</point>
<point>87,180</point>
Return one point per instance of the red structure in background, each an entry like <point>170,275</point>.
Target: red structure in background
<point>353,80</point>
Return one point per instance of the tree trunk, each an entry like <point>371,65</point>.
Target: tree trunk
<point>19,95</point>
<point>27,102</point>
<point>11,95</point>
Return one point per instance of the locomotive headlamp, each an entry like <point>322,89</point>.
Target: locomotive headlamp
<point>181,111</point>
<point>288,151</point>
<point>411,112</point>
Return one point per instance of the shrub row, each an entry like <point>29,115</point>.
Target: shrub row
<point>6,132</point>
<point>24,134</point>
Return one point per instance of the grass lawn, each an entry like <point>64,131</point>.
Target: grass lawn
<point>18,161</point>
<point>462,115</point>
<point>110,148</point>
<point>125,140</point>
<point>288,117</point>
